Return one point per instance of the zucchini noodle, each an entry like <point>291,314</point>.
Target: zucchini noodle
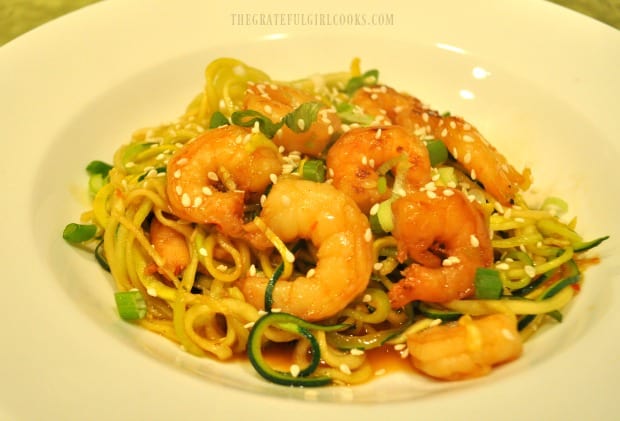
<point>199,303</point>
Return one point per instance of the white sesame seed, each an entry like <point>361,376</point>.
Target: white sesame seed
<point>364,160</point>
<point>294,370</point>
<point>425,117</point>
<point>330,130</point>
<point>268,109</point>
<point>151,291</point>
<point>368,235</point>
<point>273,178</point>
<point>345,368</point>
<point>249,325</point>
<point>207,191</point>
<point>276,310</point>
<point>378,266</point>
<point>186,200</point>
<point>378,133</point>
<point>467,138</point>
<point>367,298</point>
<point>529,271</point>
<point>177,174</point>
<point>431,194</point>
<point>212,176</point>
<point>197,201</point>
<point>301,124</point>
<point>203,251</point>
<point>399,347</point>
<point>179,190</point>
<point>310,273</point>
<point>444,132</point>
<point>290,257</point>
<point>380,372</point>
<point>467,158</point>
<point>508,334</point>
<point>473,174</point>
<point>502,266</point>
<point>448,192</point>
<point>404,353</point>
<point>452,124</point>
<point>473,240</point>
<point>374,209</point>
<point>182,161</point>
<point>252,270</point>
<point>498,207</point>
<point>356,352</point>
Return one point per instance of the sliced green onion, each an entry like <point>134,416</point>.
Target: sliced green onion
<point>218,119</point>
<point>78,233</point>
<point>95,183</point>
<point>314,170</point>
<point>488,284</point>
<point>382,184</point>
<point>371,77</point>
<point>130,305</point>
<point>292,324</point>
<point>382,221</point>
<point>437,152</point>
<point>447,176</point>
<point>98,167</point>
<point>247,118</point>
<point>302,117</point>
<point>349,113</point>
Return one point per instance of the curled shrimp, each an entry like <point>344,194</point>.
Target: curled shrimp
<point>330,220</point>
<point>276,101</point>
<point>171,245</point>
<point>210,177</point>
<point>447,238</point>
<point>466,144</point>
<point>358,156</point>
<point>467,348</point>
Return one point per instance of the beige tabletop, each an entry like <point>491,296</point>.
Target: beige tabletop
<point>20,16</point>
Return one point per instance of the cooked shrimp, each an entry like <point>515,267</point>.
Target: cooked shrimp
<point>356,157</point>
<point>171,245</point>
<point>467,348</point>
<point>320,213</point>
<point>208,178</point>
<point>447,238</point>
<point>466,144</point>
<point>275,101</point>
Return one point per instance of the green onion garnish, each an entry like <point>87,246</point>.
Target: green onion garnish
<point>437,152</point>
<point>218,119</point>
<point>300,119</point>
<point>130,305</point>
<point>349,113</point>
<point>78,233</point>
<point>382,221</point>
<point>369,78</point>
<point>98,167</point>
<point>247,118</point>
<point>314,170</point>
<point>488,284</point>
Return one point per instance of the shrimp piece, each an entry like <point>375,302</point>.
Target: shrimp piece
<point>171,245</point>
<point>467,348</point>
<point>275,101</point>
<point>466,144</point>
<point>448,239</point>
<point>209,178</point>
<point>320,213</point>
<point>354,158</point>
